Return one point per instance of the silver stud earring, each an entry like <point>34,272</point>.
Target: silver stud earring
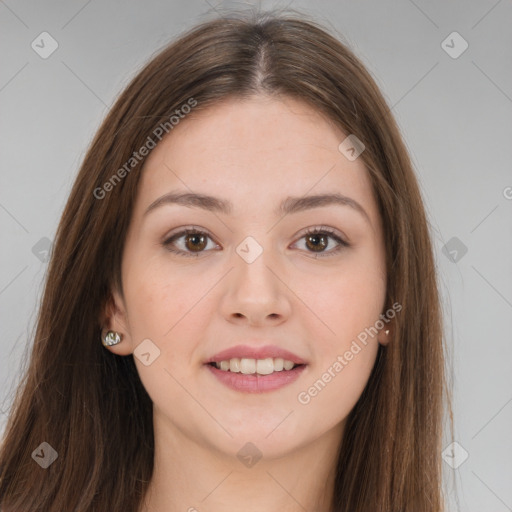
<point>111,338</point>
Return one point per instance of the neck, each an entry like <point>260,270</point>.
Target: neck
<point>191,476</point>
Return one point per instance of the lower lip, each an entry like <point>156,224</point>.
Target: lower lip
<point>254,383</point>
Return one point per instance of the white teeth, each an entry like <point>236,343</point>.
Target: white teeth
<point>234,365</point>
<point>247,365</point>
<point>260,366</point>
<point>288,365</point>
<point>265,366</point>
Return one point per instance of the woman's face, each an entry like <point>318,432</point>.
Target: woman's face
<point>251,275</point>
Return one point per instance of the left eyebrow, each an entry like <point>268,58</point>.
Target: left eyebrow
<point>299,204</point>
<point>288,206</point>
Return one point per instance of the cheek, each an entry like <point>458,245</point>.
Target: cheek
<point>342,303</point>
<point>334,389</point>
<point>347,305</point>
<point>170,307</point>
<point>161,309</point>
<point>160,297</point>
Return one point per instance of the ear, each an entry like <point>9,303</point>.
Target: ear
<point>385,334</point>
<point>114,318</point>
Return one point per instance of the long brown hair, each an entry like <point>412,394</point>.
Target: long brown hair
<point>89,404</point>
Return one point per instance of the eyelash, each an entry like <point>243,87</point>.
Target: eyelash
<point>315,231</point>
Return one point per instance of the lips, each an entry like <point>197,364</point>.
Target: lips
<point>252,352</point>
<point>256,369</point>
<point>255,383</point>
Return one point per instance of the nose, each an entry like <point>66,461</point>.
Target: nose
<point>256,292</point>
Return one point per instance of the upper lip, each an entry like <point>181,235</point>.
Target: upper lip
<point>253,352</point>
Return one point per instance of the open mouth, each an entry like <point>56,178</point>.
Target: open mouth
<point>259,367</point>
<point>250,370</point>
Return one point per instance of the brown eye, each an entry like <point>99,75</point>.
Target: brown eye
<point>317,242</point>
<point>194,242</point>
<point>318,239</point>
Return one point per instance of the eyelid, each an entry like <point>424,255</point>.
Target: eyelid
<point>183,231</point>
<point>333,233</point>
<point>324,229</point>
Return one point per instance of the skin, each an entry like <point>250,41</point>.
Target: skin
<point>253,152</point>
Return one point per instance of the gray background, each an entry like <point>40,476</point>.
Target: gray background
<point>455,115</point>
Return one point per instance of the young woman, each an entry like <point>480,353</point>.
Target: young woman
<point>241,309</point>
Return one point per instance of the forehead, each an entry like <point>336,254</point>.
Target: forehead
<point>254,152</point>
